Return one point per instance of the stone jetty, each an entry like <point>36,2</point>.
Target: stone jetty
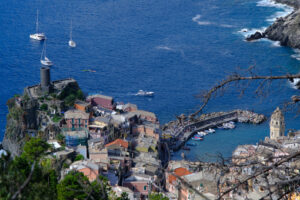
<point>178,132</point>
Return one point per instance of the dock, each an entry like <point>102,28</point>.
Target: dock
<point>184,133</point>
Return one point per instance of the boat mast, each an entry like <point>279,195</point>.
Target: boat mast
<point>43,55</point>
<point>37,21</point>
<point>71,30</point>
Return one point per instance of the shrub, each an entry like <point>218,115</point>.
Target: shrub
<point>79,157</point>
<point>44,107</point>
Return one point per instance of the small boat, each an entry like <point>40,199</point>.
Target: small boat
<point>37,35</point>
<point>229,125</point>
<point>197,138</point>
<point>44,59</point>
<point>201,133</point>
<point>72,44</point>
<point>144,93</point>
<point>211,130</point>
<point>88,70</point>
<point>191,144</point>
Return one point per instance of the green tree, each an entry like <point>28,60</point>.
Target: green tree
<point>80,95</point>
<point>44,107</point>
<point>70,100</point>
<point>34,149</point>
<point>77,186</point>
<point>157,196</point>
<point>79,157</point>
<point>24,179</point>
<point>124,196</point>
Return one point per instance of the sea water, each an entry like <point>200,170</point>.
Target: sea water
<point>175,48</point>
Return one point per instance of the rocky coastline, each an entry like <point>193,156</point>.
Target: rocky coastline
<point>286,29</point>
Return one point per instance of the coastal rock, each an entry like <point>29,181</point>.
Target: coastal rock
<point>286,30</point>
<point>257,35</point>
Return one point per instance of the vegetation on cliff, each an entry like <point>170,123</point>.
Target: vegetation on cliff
<point>32,176</point>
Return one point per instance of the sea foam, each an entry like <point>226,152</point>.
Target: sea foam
<point>197,20</point>
<point>285,9</point>
<point>297,54</point>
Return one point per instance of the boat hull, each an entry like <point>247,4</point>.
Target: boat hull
<point>46,63</point>
<point>72,44</point>
<point>38,36</point>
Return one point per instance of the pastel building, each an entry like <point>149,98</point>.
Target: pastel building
<point>102,101</point>
<point>76,119</point>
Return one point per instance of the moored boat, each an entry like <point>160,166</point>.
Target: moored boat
<point>197,138</point>
<point>44,59</point>
<point>144,93</point>
<point>37,35</point>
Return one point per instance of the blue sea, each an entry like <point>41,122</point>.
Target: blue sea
<point>175,48</point>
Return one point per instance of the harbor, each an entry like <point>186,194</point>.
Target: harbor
<point>177,133</point>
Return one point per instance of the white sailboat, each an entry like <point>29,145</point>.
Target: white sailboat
<point>71,42</point>
<point>44,60</point>
<point>37,35</point>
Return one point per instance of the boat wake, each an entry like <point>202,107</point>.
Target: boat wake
<point>165,48</point>
<point>199,22</point>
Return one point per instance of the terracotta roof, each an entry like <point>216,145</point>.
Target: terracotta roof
<point>76,114</point>
<point>119,142</point>
<point>99,96</point>
<point>181,171</point>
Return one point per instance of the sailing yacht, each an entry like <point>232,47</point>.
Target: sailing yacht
<point>44,60</point>
<point>37,35</point>
<point>71,42</point>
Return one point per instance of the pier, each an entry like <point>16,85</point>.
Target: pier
<point>184,132</point>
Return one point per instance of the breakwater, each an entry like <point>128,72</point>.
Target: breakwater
<point>182,130</point>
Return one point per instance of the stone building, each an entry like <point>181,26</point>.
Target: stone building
<point>277,124</point>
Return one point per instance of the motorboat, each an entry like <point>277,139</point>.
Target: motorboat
<point>44,59</point>
<point>201,133</point>
<point>72,44</point>
<point>37,35</point>
<point>229,125</point>
<point>198,138</point>
<point>210,131</point>
<point>144,93</point>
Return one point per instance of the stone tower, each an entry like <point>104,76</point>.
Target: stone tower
<point>45,80</point>
<point>277,125</point>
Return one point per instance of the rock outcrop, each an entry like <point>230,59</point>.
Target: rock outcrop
<point>20,118</point>
<point>286,30</point>
<point>257,35</point>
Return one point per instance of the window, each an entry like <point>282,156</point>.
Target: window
<point>145,187</point>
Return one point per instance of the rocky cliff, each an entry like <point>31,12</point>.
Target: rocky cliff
<point>284,29</point>
<point>26,118</point>
<point>21,118</point>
